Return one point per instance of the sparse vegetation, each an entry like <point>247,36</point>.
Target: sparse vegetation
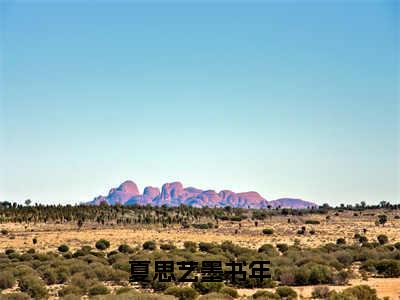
<point>86,271</point>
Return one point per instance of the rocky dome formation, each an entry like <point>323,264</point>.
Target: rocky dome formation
<point>174,194</point>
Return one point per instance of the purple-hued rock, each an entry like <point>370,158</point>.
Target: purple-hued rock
<point>292,203</point>
<point>174,194</point>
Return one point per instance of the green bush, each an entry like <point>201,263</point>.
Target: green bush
<point>340,241</point>
<point>63,248</point>
<point>268,231</point>
<point>33,286</point>
<point>7,280</point>
<point>192,246</point>
<point>397,245</point>
<point>70,290</point>
<point>312,222</point>
<point>98,289</point>
<point>286,292</point>
<point>102,244</point>
<point>124,248</point>
<point>229,291</point>
<point>81,281</point>
<point>265,295</point>
<point>48,275</point>
<point>361,292</point>
<point>206,247</point>
<point>149,245</point>
<point>167,247</point>
<point>215,296</point>
<point>282,247</point>
<point>388,267</point>
<point>203,226</point>
<point>382,239</point>
<point>184,293</point>
<point>320,292</point>
<point>15,296</point>
<point>268,249</point>
<point>123,290</point>
<point>9,251</point>
<point>208,287</point>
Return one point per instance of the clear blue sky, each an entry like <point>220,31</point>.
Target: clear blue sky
<point>288,100</point>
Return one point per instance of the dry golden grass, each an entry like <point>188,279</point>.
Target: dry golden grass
<point>50,236</point>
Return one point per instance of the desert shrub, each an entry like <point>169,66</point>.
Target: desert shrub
<point>7,280</point>
<point>382,219</point>
<point>208,287</point>
<point>206,247</point>
<point>33,286</point>
<point>361,292</point>
<point>388,267</point>
<point>167,246</point>
<point>182,293</point>
<point>286,292</point>
<point>229,291</point>
<point>102,244</point>
<point>268,231</point>
<point>81,281</point>
<point>34,241</point>
<point>342,277</point>
<point>62,274</point>
<point>86,248</point>
<point>68,255</point>
<point>192,246</point>
<point>215,296</point>
<point>118,276</point>
<point>320,292</point>
<point>340,241</point>
<point>123,290</point>
<point>397,245</point>
<point>282,247</point>
<point>9,251</point>
<point>149,245</point>
<point>312,222</point>
<point>77,266</point>
<point>78,253</point>
<point>302,275</point>
<point>320,274</point>
<point>382,239</point>
<point>4,231</point>
<point>98,289</point>
<point>25,257</point>
<point>344,257</point>
<point>31,251</point>
<point>312,231</point>
<point>103,273</point>
<point>203,226</point>
<point>70,290</point>
<point>23,270</point>
<point>158,286</point>
<point>15,296</point>
<point>63,248</point>
<point>286,277</point>
<point>268,249</point>
<point>265,295</point>
<point>71,297</point>
<point>124,248</point>
<point>48,275</point>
